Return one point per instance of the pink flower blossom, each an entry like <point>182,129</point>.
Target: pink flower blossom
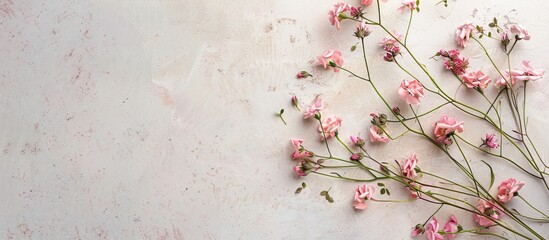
<point>527,73</point>
<point>331,57</point>
<point>411,4</point>
<point>508,188</point>
<point>411,91</point>
<point>299,171</point>
<point>357,156</point>
<point>362,194</point>
<point>445,128</point>
<point>389,40</point>
<point>451,227</point>
<point>362,30</point>
<point>314,108</point>
<point>409,170</point>
<point>300,152</point>
<point>418,230</point>
<point>487,208</point>
<point>377,135</point>
<point>455,63</point>
<point>432,230</point>
<point>412,189</point>
<point>334,14</point>
<point>366,2</point>
<point>520,31</point>
<point>476,79</point>
<point>330,125</point>
<point>491,141</point>
<point>462,34</point>
<point>357,141</point>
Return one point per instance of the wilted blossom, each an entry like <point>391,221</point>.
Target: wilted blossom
<point>491,141</point>
<point>331,58</point>
<point>390,45</point>
<point>357,141</point>
<point>303,74</point>
<point>300,152</point>
<point>377,135</point>
<point>418,230</point>
<point>330,126</point>
<point>476,79</point>
<point>451,227</point>
<point>362,30</point>
<point>462,34</point>
<point>432,230</point>
<point>508,189</point>
<point>314,108</point>
<point>487,208</point>
<point>337,13</point>
<point>299,171</point>
<point>356,156</point>
<point>410,4</point>
<point>445,128</point>
<point>409,169</point>
<point>519,31</point>
<point>411,91</point>
<point>454,62</point>
<point>362,193</point>
<point>413,189</point>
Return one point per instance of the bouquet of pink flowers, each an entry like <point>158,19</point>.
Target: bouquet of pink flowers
<point>503,91</point>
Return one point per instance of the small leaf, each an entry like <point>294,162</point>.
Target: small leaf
<point>480,36</point>
<point>298,190</point>
<point>460,228</point>
<point>495,20</point>
<point>492,25</point>
<point>337,174</point>
<point>353,48</point>
<point>382,191</point>
<point>303,185</point>
<point>281,111</point>
<point>330,199</point>
<point>381,184</point>
<point>388,193</point>
<point>489,34</point>
<point>324,193</point>
<point>492,177</point>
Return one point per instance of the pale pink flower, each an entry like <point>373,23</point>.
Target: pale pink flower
<point>432,230</point>
<point>362,194</point>
<point>412,189</point>
<point>362,30</point>
<point>330,125</point>
<point>377,135</point>
<point>476,79</point>
<point>334,14</point>
<point>331,56</point>
<point>486,208</point>
<point>462,34</point>
<point>366,2</point>
<point>314,108</point>
<point>411,91</point>
<point>451,227</point>
<point>389,40</point>
<point>527,73</point>
<point>491,141</point>
<point>409,170</point>
<point>418,230</point>
<point>300,152</point>
<point>508,188</point>
<point>520,31</point>
<point>299,171</point>
<point>506,80</point>
<point>445,128</point>
<point>357,141</point>
<point>411,4</point>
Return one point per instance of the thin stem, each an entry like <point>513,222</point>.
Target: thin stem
<point>324,134</point>
<point>537,210</point>
<point>409,24</point>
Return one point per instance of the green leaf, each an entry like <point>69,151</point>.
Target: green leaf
<point>298,190</point>
<point>382,191</point>
<point>388,193</point>
<point>381,184</point>
<point>353,48</point>
<point>281,111</point>
<point>492,25</point>
<point>330,199</point>
<point>460,228</point>
<point>303,185</point>
<point>337,174</point>
<point>495,20</point>
<point>489,34</point>
<point>324,193</point>
<point>492,176</point>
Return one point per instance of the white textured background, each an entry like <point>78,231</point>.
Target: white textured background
<point>137,119</point>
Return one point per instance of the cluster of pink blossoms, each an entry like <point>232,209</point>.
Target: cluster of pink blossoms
<point>409,172</point>
<point>527,73</point>
<point>431,230</point>
<point>454,62</point>
<point>390,45</point>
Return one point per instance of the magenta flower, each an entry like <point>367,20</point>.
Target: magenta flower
<point>519,31</point>
<point>487,208</point>
<point>331,58</point>
<point>314,108</point>
<point>418,230</point>
<point>454,62</point>
<point>330,126</point>
<point>463,33</point>
<point>476,79</point>
<point>300,152</point>
<point>432,230</point>
<point>451,227</point>
<point>411,91</point>
<point>508,189</point>
<point>410,4</point>
<point>337,13</point>
<point>491,141</point>
<point>362,193</point>
<point>377,135</point>
<point>445,128</point>
<point>409,170</point>
<point>299,171</point>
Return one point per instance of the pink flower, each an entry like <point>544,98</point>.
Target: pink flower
<point>366,2</point>
<point>357,156</point>
<point>508,188</point>
<point>520,31</point>
<point>331,58</point>
<point>487,208</point>
<point>476,79</point>
<point>455,63</point>
<point>527,73</point>
<point>377,135</point>
<point>462,34</point>
<point>411,91</point>
<point>432,230</point>
<point>409,170</point>
<point>357,141</point>
<point>412,189</point>
<point>362,30</point>
<point>389,40</point>
<point>299,171</point>
<point>330,126</point>
<point>303,74</point>
<point>411,4</point>
<point>451,227</point>
<point>334,14</point>
<point>491,141</point>
<point>300,152</point>
<point>445,128</point>
<point>362,194</point>
<point>418,230</point>
<point>314,108</point>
